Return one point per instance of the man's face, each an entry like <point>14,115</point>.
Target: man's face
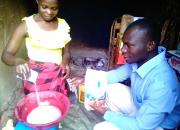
<point>48,9</point>
<point>134,47</point>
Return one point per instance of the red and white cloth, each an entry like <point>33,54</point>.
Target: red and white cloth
<point>49,77</point>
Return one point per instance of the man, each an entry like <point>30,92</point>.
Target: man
<point>154,96</point>
<point>153,99</point>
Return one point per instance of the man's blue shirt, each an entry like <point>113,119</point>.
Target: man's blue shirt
<point>156,94</point>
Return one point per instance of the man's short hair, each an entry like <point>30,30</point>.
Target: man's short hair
<point>150,26</point>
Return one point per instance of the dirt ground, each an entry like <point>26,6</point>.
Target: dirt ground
<point>83,57</point>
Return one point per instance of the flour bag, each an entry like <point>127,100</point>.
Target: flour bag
<point>95,86</point>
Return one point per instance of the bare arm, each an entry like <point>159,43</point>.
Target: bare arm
<point>66,55</point>
<point>12,47</point>
<point>65,61</point>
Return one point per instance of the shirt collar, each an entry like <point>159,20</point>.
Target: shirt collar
<point>149,65</point>
<point>134,67</point>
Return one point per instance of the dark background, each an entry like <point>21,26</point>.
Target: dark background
<point>91,20</point>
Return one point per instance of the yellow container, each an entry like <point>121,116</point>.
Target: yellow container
<point>81,92</point>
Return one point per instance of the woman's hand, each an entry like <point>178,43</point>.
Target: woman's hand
<point>23,71</point>
<point>65,71</point>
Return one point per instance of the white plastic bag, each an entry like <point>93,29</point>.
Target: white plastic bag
<point>95,85</point>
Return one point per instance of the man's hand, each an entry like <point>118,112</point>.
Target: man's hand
<point>99,105</point>
<point>75,82</point>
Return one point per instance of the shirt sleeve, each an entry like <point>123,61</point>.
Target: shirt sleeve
<point>66,28</point>
<point>156,104</point>
<point>119,74</point>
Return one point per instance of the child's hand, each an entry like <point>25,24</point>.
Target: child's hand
<point>23,71</point>
<point>65,71</point>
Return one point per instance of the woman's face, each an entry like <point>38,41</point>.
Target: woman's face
<point>48,9</point>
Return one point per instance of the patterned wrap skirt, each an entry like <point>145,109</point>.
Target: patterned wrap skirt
<point>49,77</point>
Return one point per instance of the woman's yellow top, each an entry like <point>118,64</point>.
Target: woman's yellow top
<point>46,46</point>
